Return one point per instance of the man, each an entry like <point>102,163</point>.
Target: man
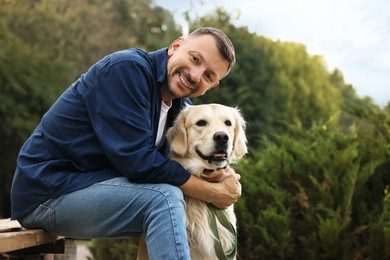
<point>96,164</point>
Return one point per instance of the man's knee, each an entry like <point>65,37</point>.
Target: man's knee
<point>166,199</point>
<point>172,194</point>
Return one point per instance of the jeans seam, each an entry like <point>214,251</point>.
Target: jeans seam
<point>50,215</point>
<point>173,223</point>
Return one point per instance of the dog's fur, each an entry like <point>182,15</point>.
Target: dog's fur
<point>207,137</point>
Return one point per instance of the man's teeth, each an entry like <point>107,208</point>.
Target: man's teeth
<point>185,82</point>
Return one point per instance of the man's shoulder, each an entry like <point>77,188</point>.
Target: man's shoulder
<point>133,54</point>
<point>139,56</point>
<point>123,60</point>
<point>133,61</point>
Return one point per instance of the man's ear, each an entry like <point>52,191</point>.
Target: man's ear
<point>174,45</point>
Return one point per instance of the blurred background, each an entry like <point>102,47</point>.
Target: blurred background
<point>316,179</point>
<point>352,35</point>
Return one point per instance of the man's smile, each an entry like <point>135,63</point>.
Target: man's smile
<point>182,79</point>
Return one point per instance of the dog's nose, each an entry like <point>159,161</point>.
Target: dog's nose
<point>221,137</point>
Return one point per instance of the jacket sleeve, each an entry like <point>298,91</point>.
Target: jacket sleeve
<point>120,106</point>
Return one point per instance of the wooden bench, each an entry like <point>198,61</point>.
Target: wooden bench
<point>17,241</point>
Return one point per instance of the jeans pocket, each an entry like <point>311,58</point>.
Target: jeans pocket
<point>42,217</point>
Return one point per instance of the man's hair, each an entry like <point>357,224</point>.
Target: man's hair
<point>224,44</point>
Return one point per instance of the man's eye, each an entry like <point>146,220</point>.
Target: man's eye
<point>209,77</point>
<point>194,58</point>
<point>201,122</point>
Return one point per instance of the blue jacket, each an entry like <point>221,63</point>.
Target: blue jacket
<point>103,126</point>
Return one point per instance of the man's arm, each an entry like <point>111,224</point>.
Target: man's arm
<point>221,194</point>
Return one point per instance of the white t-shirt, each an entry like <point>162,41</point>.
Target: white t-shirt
<point>162,122</point>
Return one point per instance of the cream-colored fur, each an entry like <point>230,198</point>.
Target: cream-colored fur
<point>209,137</point>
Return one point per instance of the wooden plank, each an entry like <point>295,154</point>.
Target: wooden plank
<point>10,241</point>
<point>14,237</point>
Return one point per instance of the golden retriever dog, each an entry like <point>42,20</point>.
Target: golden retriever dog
<point>205,138</point>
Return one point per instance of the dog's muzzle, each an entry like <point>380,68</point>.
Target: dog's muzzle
<point>221,143</point>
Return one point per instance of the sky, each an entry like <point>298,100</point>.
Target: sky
<point>351,35</point>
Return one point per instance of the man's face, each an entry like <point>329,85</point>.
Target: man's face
<point>194,67</point>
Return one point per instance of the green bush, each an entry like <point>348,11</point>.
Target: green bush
<point>115,249</point>
<point>315,194</point>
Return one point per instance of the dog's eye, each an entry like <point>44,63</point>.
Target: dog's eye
<point>228,123</point>
<point>201,122</point>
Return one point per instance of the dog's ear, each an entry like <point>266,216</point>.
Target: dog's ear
<point>239,144</point>
<point>177,135</point>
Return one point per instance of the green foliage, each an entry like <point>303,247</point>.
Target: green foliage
<point>83,31</point>
<point>318,194</point>
<point>27,78</point>
<point>121,248</point>
<point>273,82</point>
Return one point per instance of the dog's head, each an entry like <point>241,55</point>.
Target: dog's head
<point>211,135</point>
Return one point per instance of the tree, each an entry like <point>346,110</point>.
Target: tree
<point>27,78</point>
<point>274,82</point>
<point>83,31</point>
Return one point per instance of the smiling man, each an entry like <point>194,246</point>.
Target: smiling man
<point>196,65</point>
<point>97,166</point>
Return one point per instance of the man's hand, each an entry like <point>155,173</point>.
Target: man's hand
<point>230,191</point>
<point>222,188</point>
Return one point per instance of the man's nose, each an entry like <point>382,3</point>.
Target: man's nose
<point>196,74</point>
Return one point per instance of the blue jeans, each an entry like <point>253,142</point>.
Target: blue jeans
<point>117,208</point>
